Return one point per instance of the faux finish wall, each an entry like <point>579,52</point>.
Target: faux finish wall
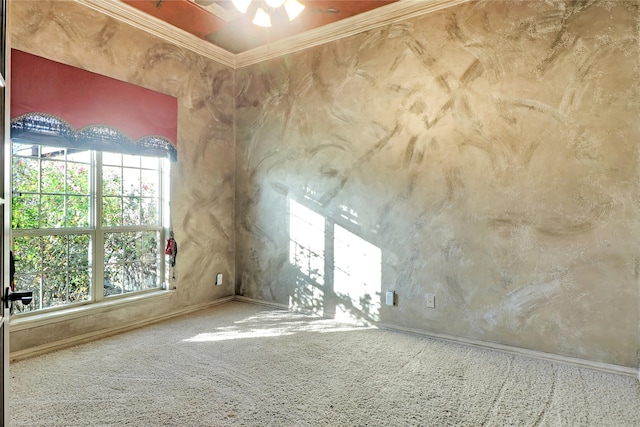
<point>487,154</point>
<point>202,205</point>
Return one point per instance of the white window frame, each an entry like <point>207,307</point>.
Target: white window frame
<point>97,231</point>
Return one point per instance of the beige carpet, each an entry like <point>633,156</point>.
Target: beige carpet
<point>245,365</point>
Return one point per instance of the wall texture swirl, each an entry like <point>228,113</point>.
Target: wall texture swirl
<point>487,154</point>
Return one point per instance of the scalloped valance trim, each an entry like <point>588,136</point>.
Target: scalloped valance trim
<point>43,128</point>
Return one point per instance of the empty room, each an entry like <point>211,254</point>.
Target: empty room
<point>321,213</point>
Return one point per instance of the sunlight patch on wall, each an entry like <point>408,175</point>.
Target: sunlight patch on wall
<point>306,247</point>
<point>306,253</point>
<point>352,288</point>
<point>349,214</point>
<point>357,276</point>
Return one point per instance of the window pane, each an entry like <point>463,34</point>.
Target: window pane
<point>149,163</point>
<point>77,211</point>
<point>130,182</point>
<point>133,161</point>
<point>54,254</point>
<point>132,277</point>
<point>25,211</point>
<point>133,246</point>
<point>79,251</point>
<point>111,181</point>
<point>131,262</point>
<point>52,152</point>
<point>77,178</point>
<point>52,176</point>
<point>24,149</point>
<point>150,183</point>
<point>76,155</point>
<point>114,244</point>
<point>25,175</point>
<point>112,280</point>
<point>150,274</point>
<point>55,267</point>
<point>149,249</point>
<point>28,254</point>
<point>51,211</point>
<point>131,211</point>
<point>111,211</point>
<point>54,289</point>
<point>79,285</point>
<point>149,214</point>
<point>114,159</point>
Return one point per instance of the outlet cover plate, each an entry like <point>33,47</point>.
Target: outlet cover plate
<point>431,301</point>
<point>391,298</point>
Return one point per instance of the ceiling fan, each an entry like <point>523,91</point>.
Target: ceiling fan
<point>264,9</point>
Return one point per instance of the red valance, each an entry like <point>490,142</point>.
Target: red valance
<point>82,98</point>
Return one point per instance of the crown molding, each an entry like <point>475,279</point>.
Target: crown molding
<point>385,15</point>
<point>132,16</point>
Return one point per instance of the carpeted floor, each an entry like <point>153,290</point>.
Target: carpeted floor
<point>245,365</point>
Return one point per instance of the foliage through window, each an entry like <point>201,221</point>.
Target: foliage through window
<point>70,249</point>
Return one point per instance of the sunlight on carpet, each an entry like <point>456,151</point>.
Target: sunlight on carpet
<point>246,365</point>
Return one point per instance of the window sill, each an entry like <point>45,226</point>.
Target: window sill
<point>29,321</point>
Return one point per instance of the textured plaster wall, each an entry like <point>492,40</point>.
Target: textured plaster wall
<point>489,152</point>
<point>202,180</point>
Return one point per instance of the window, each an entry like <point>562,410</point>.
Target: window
<point>87,225</point>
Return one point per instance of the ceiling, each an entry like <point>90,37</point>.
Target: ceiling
<point>218,21</point>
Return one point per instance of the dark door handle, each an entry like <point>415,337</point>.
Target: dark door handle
<point>24,297</point>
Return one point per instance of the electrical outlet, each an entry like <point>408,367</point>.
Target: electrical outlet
<point>431,301</point>
<point>218,279</point>
<point>391,298</point>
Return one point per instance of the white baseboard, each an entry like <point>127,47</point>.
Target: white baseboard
<point>102,333</point>
<point>583,363</point>
<point>260,302</point>
<point>534,354</point>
